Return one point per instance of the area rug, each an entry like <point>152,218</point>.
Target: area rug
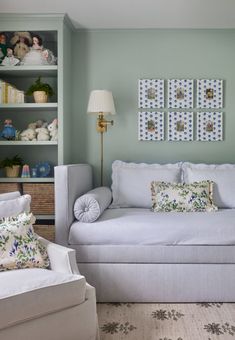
<point>136,321</point>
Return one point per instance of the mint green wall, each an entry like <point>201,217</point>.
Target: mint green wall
<point>116,59</point>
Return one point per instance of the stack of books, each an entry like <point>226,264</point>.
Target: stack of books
<point>9,94</point>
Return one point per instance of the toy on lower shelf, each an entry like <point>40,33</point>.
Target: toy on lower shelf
<point>25,171</point>
<point>8,132</point>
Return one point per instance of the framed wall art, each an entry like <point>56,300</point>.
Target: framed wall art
<point>209,93</point>
<point>210,126</point>
<point>151,126</point>
<point>151,93</point>
<point>180,93</point>
<point>180,126</point>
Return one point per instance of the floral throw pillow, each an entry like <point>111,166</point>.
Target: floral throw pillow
<point>19,246</point>
<point>197,196</point>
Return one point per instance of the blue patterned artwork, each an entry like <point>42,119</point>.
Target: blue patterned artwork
<point>151,93</point>
<point>151,126</point>
<point>210,126</point>
<point>180,126</point>
<point>180,93</point>
<point>210,93</point>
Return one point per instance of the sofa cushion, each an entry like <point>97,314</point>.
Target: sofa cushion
<point>223,175</point>
<point>131,182</point>
<point>181,197</point>
<point>30,293</point>
<point>135,226</point>
<point>88,207</point>
<point>19,246</point>
<point>15,206</point>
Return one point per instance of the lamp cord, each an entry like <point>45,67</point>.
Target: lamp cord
<point>101,157</point>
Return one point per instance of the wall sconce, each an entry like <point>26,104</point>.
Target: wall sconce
<point>101,103</point>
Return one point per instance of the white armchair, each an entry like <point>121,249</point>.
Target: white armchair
<point>55,304</point>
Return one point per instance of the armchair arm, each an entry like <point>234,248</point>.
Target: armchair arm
<point>71,181</point>
<point>62,259</point>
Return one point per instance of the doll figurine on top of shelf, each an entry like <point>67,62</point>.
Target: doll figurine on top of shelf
<point>3,47</point>
<point>10,60</point>
<point>21,42</point>
<point>38,55</point>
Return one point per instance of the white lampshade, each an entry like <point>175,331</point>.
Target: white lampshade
<point>101,101</point>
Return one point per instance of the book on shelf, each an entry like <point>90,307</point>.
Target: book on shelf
<point>9,94</point>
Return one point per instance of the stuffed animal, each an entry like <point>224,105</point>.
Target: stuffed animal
<point>42,133</point>
<point>28,134</point>
<point>41,123</point>
<point>32,126</point>
<point>37,124</point>
<point>21,42</point>
<point>53,129</point>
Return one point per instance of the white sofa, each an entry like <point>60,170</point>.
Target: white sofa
<point>132,254</point>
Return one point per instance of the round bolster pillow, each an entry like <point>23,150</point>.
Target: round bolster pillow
<point>89,207</point>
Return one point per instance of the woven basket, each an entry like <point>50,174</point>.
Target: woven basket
<point>42,195</point>
<point>9,187</point>
<point>45,231</point>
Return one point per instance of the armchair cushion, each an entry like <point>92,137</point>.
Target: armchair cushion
<point>89,207</point>
<point>37,292</point>
<point>9,195</point>
<point>15,206</point>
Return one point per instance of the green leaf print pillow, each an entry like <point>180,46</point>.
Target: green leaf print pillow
<point>168,197</point>
<point>19,246</point>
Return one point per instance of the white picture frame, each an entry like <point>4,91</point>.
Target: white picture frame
<point>151,94</point>
<point>209,93</point>
<point>180,126</point>
<point>151,126</point>
<point>180,93</point>
<point>209,126</point>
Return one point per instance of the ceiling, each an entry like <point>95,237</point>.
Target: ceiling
<point>111,14</point>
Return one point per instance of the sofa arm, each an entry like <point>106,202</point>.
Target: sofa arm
<point>62,259</point>
<point>71,181</point>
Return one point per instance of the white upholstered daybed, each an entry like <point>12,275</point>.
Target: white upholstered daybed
<point>132,254</point>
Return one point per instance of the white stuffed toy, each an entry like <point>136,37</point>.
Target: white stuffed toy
<point>42,133</point>
<point>53,129</point>
<point>28,134</point>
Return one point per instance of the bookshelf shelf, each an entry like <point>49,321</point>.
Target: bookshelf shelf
<point>29,106</point>
<point>28,143</point>
<point>29,71</point>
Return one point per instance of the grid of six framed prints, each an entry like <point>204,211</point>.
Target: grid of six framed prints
<point>182,97</point>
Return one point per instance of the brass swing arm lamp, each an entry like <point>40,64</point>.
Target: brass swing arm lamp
<point>102,123</point>
<point>101,103</point>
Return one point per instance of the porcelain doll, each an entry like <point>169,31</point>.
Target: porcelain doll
<point>38,55</point>
<point>21,42</point>
<point>3,47</point>
<point>10,60</point>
